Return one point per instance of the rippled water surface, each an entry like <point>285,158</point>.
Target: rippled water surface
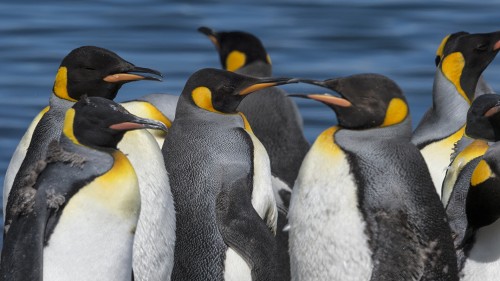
<point>314,39</point>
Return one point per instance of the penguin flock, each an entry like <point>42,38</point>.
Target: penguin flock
<point>219,182</point>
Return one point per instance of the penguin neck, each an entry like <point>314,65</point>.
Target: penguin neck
<point>59,104</point>
<point>256,69</point>
<point>446,98</point>
<point>187,109</point>
<point>400,130</point>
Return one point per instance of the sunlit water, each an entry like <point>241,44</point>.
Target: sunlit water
<point>313,39</point>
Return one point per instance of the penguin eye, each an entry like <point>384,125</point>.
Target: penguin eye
<point>88,68</point>
<point>481,47</point>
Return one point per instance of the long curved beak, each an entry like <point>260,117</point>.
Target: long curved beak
<point>263,83</point>
<point>325,98</point>
<point>139,123</point>
<point>130,75</point>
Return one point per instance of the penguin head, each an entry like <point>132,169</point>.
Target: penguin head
<point>99,122</point>
<point>237,48</point>
<point>465,57</point>
<point>95,71</point>
<point>448,39</point>
<point>366,101</point>
<point>222,91</point>
<point>483,118</point>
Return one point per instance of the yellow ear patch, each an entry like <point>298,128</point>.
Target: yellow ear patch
<point>440,49</point>
<point>396,112</point>
<point>202,97</point>
<point>452,66</point>
<point>61,84</point>
<point>268,58</point>
<point>235,60</point>
<point>68,125</point>
<point>481,173</point>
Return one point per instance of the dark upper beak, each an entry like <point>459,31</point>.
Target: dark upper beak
<point>263,83</point>
<point>139,123</point>
<point>211,34</point>
<point>325,98</point>
<point>130,75</point>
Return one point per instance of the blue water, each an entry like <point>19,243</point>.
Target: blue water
<point>314,39</point>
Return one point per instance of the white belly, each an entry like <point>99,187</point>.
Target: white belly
<point>155,235</point>
<point>236,268</point>
<point>327,230</point>
<point>90,242</point>
<point>263,199</point>
<point>483,263</point>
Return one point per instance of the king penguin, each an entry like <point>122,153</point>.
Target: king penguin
<point>74,218</point>
<point>221,182</point>
<point>95,71</point>
<point>364,207</point>
<point>468,170</point>
<point>462,61</point>
<point>274,118</point>
<point>160,107</point>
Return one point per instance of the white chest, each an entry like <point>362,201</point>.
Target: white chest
<point>155,235</point>
<point>90,242</point>
<point>483,263</point>
<point>437,156</point>
<point>327,230</point>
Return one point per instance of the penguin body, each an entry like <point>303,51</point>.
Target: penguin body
<point>482,249</point>
<point>221,182</point>
<point>364,188</point>
<point>81,202</point>
<point>472,192</point>
<point>275,120</point>
<point>462,60</point>
<point>109,72</point>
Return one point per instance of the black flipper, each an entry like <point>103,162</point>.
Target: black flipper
<point>244,231</point>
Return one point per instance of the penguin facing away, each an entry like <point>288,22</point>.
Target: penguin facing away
<point>275,120</point>
<point>221,182</point>
<point>363,207</point>
<point>86,70</point>
<point>100,72</point>
<point>473,196</point>
<point>464,57</point>
<point>75,217</point>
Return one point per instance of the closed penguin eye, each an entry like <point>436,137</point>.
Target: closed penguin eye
<point>481,47</point>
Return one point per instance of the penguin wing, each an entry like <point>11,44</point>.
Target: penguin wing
<point>38,206</point>
<point>388,228</point>
<point>244,231</point>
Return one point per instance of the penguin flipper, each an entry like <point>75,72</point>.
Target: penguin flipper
<point>392,232</point>
<point>244,231</point>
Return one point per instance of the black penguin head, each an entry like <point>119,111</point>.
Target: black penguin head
<point>99,122</point>
<point>95,71</point>
<point>449,39</point>
<point>222,91</point>
<point>466,57</point>
<point>237,48</point>
<point>367,101</point>
<point>483,118</point>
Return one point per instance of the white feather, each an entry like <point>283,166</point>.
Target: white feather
<point>483,263</point>
<point>155,236</point>
<point>327,230</point>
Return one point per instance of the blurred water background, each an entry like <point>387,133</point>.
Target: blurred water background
<point>313,39</point>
